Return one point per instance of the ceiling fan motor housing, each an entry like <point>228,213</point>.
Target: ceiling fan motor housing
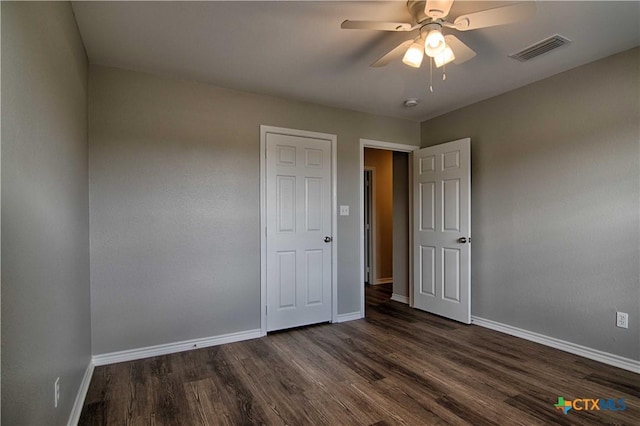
<point>426,29</point>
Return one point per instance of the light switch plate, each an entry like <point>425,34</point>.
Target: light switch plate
<point>344,210</point>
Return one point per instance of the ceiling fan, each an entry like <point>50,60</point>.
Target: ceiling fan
<point>429,18</point>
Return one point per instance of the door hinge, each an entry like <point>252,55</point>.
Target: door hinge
<point>266,309</point>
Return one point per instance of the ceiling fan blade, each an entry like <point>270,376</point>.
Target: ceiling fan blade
<point>498,16</point>
<point>461,51</point>
<point>437,9</point>
<point>376,25</point>
<point>394,53</point>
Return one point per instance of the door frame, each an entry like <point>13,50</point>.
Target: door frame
<point>264,130</point>
<point>390,146</point>
<point>372,231</point>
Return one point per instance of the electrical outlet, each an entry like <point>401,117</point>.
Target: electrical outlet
<point>622,319</point>
<point>56,392</point>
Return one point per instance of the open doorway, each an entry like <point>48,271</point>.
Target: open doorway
<point>385,203</point>
<point>378,211</point>
<point>378,226</point>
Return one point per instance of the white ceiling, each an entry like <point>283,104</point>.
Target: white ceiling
<point>296,49</point>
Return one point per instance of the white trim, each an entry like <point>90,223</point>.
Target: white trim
<point>379,281</point>
<point>74,418</point>
<point>334,227</point>
<point>370,143</point>
<point>563,345</point>
<point>263,232</point>
<point>170,348</point>
<point>390,146</point>
<point>400,298</point>
<point>263,216</point>
<point>1,203</point>
<point>410,166</point>
<point>349,317</point>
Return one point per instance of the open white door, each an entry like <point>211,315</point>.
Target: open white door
<point>442,230</point>
<point>299,228</point>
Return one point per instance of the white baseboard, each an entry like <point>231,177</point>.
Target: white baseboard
<point>400,298</point>
<point>349,317</point>
<point>594,354</point>
<point>169,348</point>
<point>74,418</point>
<point>383,281</point>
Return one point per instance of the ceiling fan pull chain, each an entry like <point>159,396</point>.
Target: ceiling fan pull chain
<point>444,72</point>
<point>431,74</point>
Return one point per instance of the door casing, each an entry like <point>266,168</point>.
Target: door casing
<point>264,130</point>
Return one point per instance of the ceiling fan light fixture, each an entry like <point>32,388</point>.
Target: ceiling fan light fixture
<point>445,57</point>
<point>434,43</point>
<point>414,55</point>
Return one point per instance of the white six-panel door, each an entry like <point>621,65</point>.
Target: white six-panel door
<point>442,230</point>
<point>298,206</point>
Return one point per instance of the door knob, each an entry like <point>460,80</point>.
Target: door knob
<point>462,240</point>
<point>327,239</point>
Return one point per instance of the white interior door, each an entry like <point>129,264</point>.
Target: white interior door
<point>442,230</point>
<point>298,230</point>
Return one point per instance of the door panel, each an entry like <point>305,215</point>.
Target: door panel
<point>442,216</point>
<point>428,270</point>
<point>428,206</point>
<point>451,205</point>
<point>298,218</point>
<point>286,279</point>
<point>285,205</point>
<point>451,274</point>
<point>313,204</point>
<point>314,276</point>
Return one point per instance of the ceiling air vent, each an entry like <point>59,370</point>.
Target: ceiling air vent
<point>540,47</point>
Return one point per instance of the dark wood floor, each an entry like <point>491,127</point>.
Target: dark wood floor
<point>397,366</point>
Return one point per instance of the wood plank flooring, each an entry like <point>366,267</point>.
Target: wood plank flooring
<point>397,366</point>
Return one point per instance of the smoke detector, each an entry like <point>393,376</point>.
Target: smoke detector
<point>411,102</point>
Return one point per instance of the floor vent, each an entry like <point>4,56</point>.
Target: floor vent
<point>540,47</point>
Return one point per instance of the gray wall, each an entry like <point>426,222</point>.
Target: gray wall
<point>46,329</point>
<point>555,203</point>
<point>401,223</point>
<point>175,204</point>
